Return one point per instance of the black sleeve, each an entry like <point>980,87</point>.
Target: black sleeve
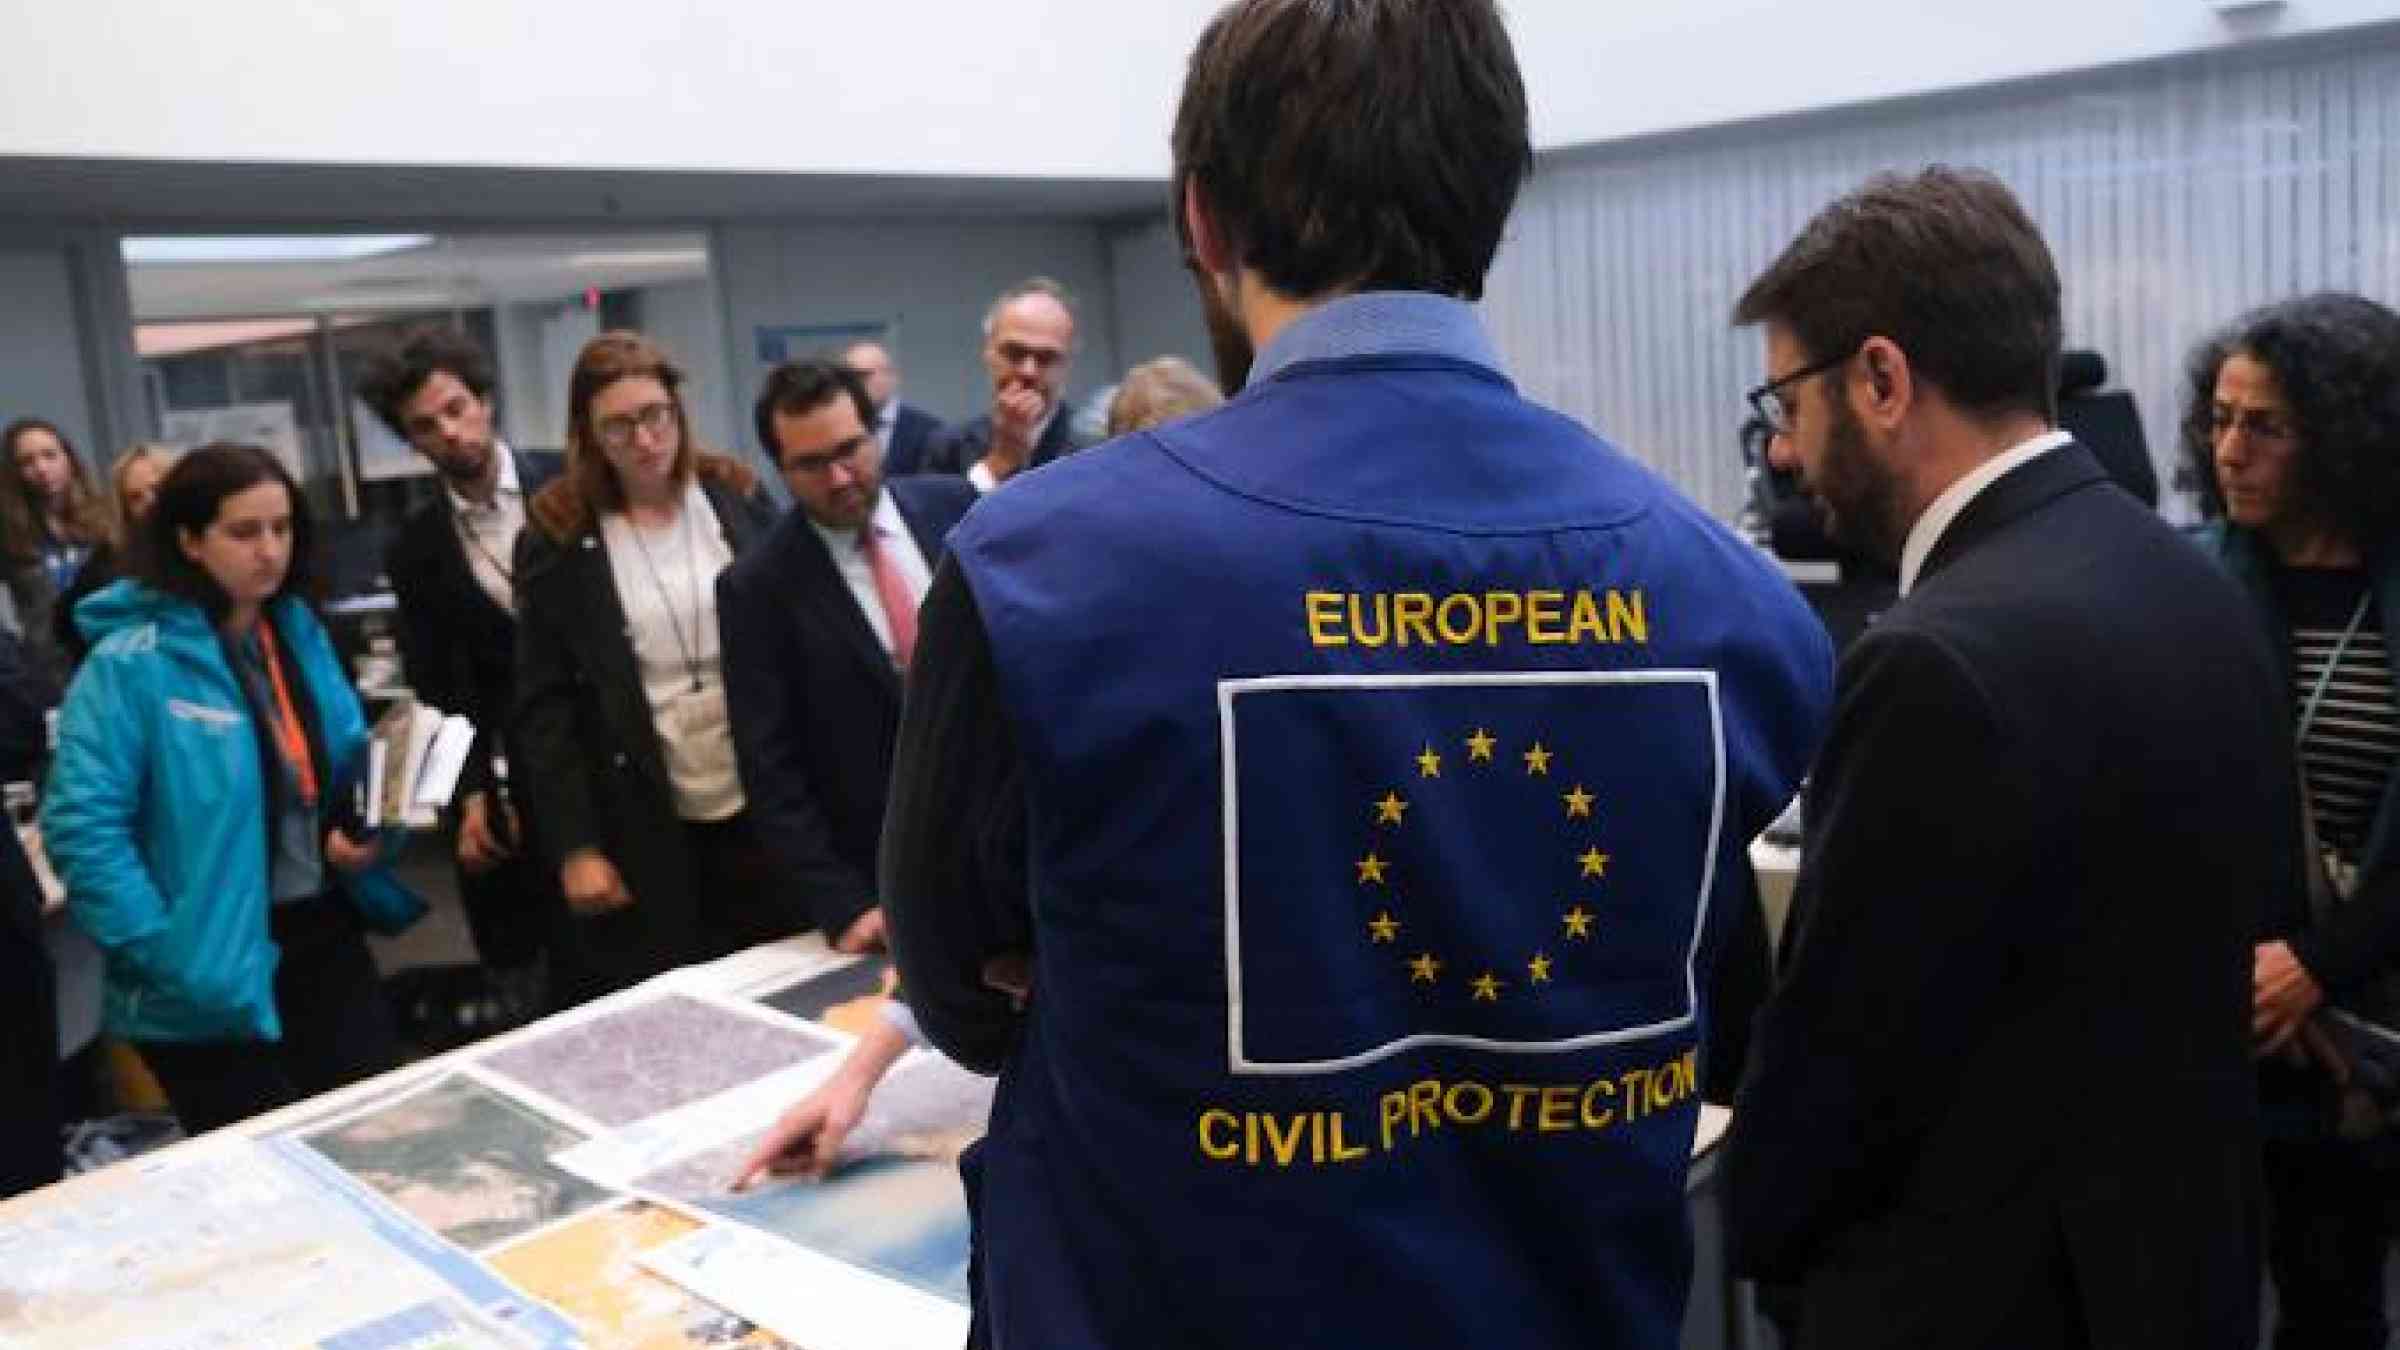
<point>954,841</point>
<point>1916,747</point>
<point>24,697</point>
<point>554,782</point>
<point>2358,938</point>
<point>771,744</point>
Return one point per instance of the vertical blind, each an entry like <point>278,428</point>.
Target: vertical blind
<point>2174,197</point>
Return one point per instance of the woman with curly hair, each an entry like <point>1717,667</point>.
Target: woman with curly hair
<point>2293,430</point>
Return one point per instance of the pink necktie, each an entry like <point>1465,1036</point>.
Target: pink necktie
<point>899,607</point>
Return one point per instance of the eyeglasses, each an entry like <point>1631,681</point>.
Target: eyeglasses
<point>2257,424</point>
<point>819,463</point>
<point>1768,401</point>
<point>616,432</point>
<point>1017,354</point>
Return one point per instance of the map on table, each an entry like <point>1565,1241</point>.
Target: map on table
<point>464,1160</point>
<point>844,998</point>
<point>636,1062</point>
<point>224,1245</point>
<point>589,1268</point>
<point>895,1207</point>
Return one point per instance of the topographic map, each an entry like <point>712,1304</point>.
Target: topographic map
<point>639,1061</point>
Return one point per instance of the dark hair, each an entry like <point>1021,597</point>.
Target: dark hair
<point>1947,266</point>
<point>21,518</point>
<point>1356,144</point>
<point>189,498</point>
<point>395,376</point>
<point>797,387</point>
<point>2336,358</point>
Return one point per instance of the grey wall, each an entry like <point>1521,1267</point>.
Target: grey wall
<point>2174,197</point>
<point>683,318</point>
<point>41,357</point>
<point>1157,310</point>
<point>931,281</point>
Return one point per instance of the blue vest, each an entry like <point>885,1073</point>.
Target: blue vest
<point>1390,742</point>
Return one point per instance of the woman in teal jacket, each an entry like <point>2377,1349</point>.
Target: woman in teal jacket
<point>196,805</point>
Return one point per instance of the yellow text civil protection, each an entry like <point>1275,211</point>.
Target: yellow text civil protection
<point>1285,1139</point>
<point>1475,618</point>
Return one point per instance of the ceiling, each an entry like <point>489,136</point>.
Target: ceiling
<point>447,271</point>
<point>155,195</point>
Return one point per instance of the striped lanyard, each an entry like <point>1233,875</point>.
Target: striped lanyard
<point>290,736</point>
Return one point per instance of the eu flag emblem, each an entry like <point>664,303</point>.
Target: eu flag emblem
<point>1518,862</point>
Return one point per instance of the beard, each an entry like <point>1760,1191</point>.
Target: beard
<point>1228,341</point>
<point>1857,501</point>
<point>466,468</point>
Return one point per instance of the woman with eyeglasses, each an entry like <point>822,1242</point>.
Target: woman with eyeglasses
<point>2293,433</point>
<point>629,785</point>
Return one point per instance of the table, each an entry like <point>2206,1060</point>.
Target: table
<point>853,1306</point>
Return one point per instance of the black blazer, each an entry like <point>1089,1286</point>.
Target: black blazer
<point>460,648</point>
<point>815,700</point>
<point>29,1152</point>
<point>2004,1087</point>
<point>913,429</point>
<point>957,449</point>
<point>594,775</point>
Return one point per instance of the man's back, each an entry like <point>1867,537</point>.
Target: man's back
<point>1385,738</point>
<point>2029,929</point>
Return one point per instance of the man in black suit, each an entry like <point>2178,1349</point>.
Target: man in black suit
<point>1028,348</point>
<point>902,429</point>
<point>818,625</point>
<point>2003,1095</point>
<point>451,568</point>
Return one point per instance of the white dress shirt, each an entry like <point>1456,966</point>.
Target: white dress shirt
<point>667,584</point>
<point>1937,518</point>
<point>982,477</point>
<point>891,532</point>
<point>488,534</point>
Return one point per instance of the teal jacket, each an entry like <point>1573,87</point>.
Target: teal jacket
<point>155,815</point>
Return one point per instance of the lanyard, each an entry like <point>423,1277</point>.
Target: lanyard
<point>290,736</point>
<point>691,558</point>
<point>2308,710</point>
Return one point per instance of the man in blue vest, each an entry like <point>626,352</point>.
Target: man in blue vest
<point>1320,811</point>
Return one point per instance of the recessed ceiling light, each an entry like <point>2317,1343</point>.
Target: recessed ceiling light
<point>669,257</point>
<point>174,250</point>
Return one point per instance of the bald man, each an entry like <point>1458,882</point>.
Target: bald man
<point>902,429</point>
<point>1028,349</point>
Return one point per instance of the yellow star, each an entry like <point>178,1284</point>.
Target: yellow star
<point>1384,927</point>
<point>1540,968</point>
<point>1479,746</point>
<point>1579,802</point>
<point>1595,863</point>
<point>1423,969</point>
<point>1487,989</point>
<point>1370,868</point>
<point>1429,764</point>
<point>1579,922</point>
<point>1390,809</point>
<point>1537,760</point>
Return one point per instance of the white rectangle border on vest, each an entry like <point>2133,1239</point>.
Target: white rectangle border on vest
<point>1232,693</point>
